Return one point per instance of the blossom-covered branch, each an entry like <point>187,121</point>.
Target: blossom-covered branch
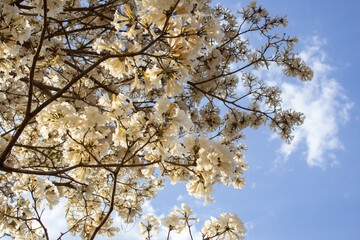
<point>103,102</point>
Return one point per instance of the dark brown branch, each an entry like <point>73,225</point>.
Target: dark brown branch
<point>231,102</point>
<point>97,229</point>
<point>64,184</point>
<point>64,32</point>
<point>92,78</point>
<point>40,85</point>
<point>37,213</point>
<point>67,169</point>
<point>33,66</point>
<point>82,9</point>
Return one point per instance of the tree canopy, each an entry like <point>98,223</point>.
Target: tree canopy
<point>104,102</point>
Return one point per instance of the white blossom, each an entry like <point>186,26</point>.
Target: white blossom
<point>103,103</point>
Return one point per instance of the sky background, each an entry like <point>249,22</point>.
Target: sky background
<point>309,190</point>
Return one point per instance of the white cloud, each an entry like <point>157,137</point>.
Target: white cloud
<point>148,209</point>
<point>249,226</point>
<point>57,217</point>
<point>180,198</point>
<point>322,100</point>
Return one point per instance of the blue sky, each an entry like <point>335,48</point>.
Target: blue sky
<point>311,189</point>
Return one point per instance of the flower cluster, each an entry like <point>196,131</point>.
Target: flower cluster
<point>227,226</point>
<point>104,102</point>
<point>177,220</point>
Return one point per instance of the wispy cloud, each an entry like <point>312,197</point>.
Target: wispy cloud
<point>322,100</point>
<point>57,217</point>
<point>250,225</point>
<point>180,198</point>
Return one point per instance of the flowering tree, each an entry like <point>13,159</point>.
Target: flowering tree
<point>103,102</point>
